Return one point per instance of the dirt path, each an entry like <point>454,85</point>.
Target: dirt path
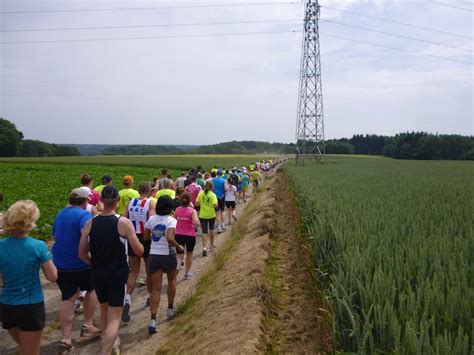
<point>259,298</point>
<point>134,335</point>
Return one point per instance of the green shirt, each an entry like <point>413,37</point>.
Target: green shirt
<point>99,188</point>
<point>166,192</point>
<point>200,182</point>
<point>125,196</point>
<point>207,203</point>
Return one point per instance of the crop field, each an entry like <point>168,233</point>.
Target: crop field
<point>175,162</point>
<point>392,245</point>
<point>48,181</point>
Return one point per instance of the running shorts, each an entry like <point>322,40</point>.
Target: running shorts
<point>221,203</point>
<point>146,245</point>
<point>187,241</point>
<point>70,281</point>
<point>110,285</point>
<point>230,204</point>
<point>207,224</point>
<point>28,317</point>
<point>167,263</point>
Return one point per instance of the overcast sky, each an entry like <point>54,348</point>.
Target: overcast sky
<point>214,89</point>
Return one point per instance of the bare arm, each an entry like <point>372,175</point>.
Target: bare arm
<point>84,243</point>
<point>196,220</point>
<point>151,209</point>
<point>50,271</point>
<point>170,238</point>
<point>146,235</point>
<point>125,228</point>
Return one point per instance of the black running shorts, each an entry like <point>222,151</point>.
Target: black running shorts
<point>28,318</point>
<point>110,285</point>
<point>166,263</point>
<point>187,241</point>
<point>70,281</point>
<point>221,203</point>
<point>207,224</point>
<point>146,245</point>
<point>230,204</point>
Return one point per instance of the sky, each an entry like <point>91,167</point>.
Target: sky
<point>205,90</point>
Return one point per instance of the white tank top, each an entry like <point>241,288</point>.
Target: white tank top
<point>138,211</point>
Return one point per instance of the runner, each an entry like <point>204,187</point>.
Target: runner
<point>138,211</point>
<point>166,190</point>
<point>255,175</point>
<point>219,189</point>
<point>105,238</point>
<point>106,180</point>
<point>164,177</point>
<point>161,228</point>
<point>207,202</point>
<point>22,309</point>
<point>230,192</point>
<point>200,181</point>
<point>73,274</point>
<point>126,194</point>
<point>245,185</point>
<point>94,196</point>
<point>180,181</point>
<point>188,220</point>
<point>193,189</point>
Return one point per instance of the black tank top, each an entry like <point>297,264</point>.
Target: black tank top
<point>107,247</point>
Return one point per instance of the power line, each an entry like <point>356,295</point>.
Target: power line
<point>399,23</point>
<point>231,34</point>
<point>451,6</point>
<point>150,37</point>
<point>148,26</point>
<point>467,2</point>
<point>398,35</point>
<point>397,48</point>
<point>151,8</point>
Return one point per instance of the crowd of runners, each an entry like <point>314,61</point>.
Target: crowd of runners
<point>100,239</point>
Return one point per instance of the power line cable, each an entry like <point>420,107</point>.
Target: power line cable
<point>398,35</point>
<point>399,22</point>
<point>147,26</point>
<point>467,2</point>
<point>451,6</point>
<point>232,34</point>
<point>398,49</point>
<point>151,8</point>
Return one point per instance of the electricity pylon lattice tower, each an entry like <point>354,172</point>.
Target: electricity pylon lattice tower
<point>310,119</point>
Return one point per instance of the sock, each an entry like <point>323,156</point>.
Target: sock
<point>170,306</point>
<point>128,299</point>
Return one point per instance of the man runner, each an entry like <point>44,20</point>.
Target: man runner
<point>126,194</point>
<point>105,238</point>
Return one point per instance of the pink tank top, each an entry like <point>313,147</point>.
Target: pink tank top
<point>185,225</point>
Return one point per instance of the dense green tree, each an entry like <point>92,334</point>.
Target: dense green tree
<point>10,138</point>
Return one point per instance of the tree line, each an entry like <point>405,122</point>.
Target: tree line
<point>12,144</point>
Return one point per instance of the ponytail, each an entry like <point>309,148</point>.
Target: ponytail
<point>208,186</point>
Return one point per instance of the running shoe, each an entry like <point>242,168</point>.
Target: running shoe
<point>204,252</point>
<point>90,331</point>
<point>188,275</point>
<point>126,313</point>
<point>65,346</point>
<point>219,230</point>
<point>152,326</point>
<point>82,296</point>
<point>116,348</point>
<point>78,307</point>
<point>171,313</point>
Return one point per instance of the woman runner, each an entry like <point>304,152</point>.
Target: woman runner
<point>230,192</point>
<point>207,202</point>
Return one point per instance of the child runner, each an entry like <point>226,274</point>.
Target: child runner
<point>21,300</point>
<point>207,202</point>
<point>138,211</point>
<point>230,192</point>
<point>161,228</point>
<point>188,220</point>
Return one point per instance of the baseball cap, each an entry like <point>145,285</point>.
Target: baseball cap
<point>106,179</point>
<point>109,192</point>
<point>80,192</point>
<point>128,179</point>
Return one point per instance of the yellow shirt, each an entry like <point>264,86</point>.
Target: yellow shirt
<point>207,203</point>
<point>255,175</point>
<point>125,196</point>
<point>165,192</point>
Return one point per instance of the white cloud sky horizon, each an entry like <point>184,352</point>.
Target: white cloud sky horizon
<point>215,89</point>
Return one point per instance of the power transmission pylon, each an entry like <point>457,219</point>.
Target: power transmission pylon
<point>310,119</point>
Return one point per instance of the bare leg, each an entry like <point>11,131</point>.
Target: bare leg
<point>188,262</point>
<point>229,214</point>
<point>30,342</point>
<point>104,308</point>
<point>180,258</point>
<point>90,304</point>
<point>171,286</point>
<point>66,316</point>
<point>211,236</point>
<point>204,240</point>
<point>15,334</point>
<point>114,316</point>
<point>134,262</point>
<point>156,280</point>
<point>148,277</point>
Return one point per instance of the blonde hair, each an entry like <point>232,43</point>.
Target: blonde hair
<point>21,218</point>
